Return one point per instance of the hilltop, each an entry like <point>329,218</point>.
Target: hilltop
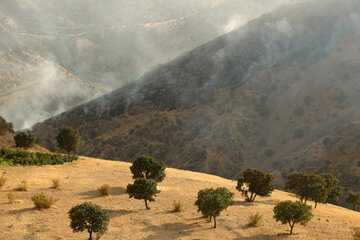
<point>280,93</point>
<point>129,219</point>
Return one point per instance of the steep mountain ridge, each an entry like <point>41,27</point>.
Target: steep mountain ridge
<point>279,94</point>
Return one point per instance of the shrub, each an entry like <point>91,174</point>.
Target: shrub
<point>288,212</point>
<point>104,190</point>
<point>255,182</point>
<point>55,184</point>
<point>26,140</point>
<point>11,197</point>
<point>178,206</point>
<point>255,219</point>
<point>22,157</point>
<point>2,180</point>
<point>68,139</point>
<point>143,189</point>
<point>149,168</point>
<point>22,186</point>
<point>211,202</point>
<point>42,201</point>
<point>90,217</point>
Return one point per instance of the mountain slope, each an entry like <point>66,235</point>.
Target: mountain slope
<point>130,220</point>
<point>103,44</point>
<point>279,94</point>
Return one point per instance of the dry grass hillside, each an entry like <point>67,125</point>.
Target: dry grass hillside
<point>129,219</point>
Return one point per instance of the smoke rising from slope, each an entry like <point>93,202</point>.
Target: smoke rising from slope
<point>110,43</point>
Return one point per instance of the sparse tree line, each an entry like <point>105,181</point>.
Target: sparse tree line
<point>147,172</point>
<point>68,139</point>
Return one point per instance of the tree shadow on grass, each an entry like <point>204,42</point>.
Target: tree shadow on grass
<point>116,191</point>
<point>261,237</point>
<point>170,231</point>
<point>242,203</point>
<point>119,212</point>
<point>19,211</point>
<point>90,194</point>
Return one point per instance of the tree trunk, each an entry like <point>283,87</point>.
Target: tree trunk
<point>214,222</point>
<point>253,198</point>
<point>147,207</point>
<point>90,235</point>
<point>291,228</point>
<point>316,204</point>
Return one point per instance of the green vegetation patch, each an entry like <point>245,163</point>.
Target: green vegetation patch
<point>10,156</point>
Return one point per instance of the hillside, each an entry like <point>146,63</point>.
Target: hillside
<point>93,47</point>
<point>279,94</point>
<point>130,220</point>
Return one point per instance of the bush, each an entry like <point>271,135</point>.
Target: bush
<point>2,180</point>
<point>56,184</point>
<point>22,186</point>
<point>211,202</point>
<point>11,197</point>
<point>255,219</point>
<point>255,182</point>
<point>42,201</point>
<point>104,190</point>
<point>299,111</point>
<point>178,206</point>
<point>269,152</point>
<point>90,217</point>
<point>288,212</point>
<point>11,156</point>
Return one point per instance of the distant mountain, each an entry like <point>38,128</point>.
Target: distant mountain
<point>279,94</point>
<point>101,44</point>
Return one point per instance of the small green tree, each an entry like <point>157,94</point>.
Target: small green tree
<point>334,191</point>
<point>143,189</point>
<point>255,183</point>
<point>211,202</point>
<point>300,183</point>
<point>149,168</point>
<point>90,217</point>
<point>26,140</point>
<point>353,199</point>
<point>68,139</point>
<point>288,212</point>
<point>317,193</point>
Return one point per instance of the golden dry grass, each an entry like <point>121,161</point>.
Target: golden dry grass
<point>130,220</point>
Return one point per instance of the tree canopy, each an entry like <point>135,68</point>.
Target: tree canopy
<point>255,183</point>
<point>149,168</point>
<point>26,140</point>
<point>90,217</point>
<point>68,139</point>
<point>289,212</point>
<point>143,189</point>
<point>211,202</point>
<point>353,199</point>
